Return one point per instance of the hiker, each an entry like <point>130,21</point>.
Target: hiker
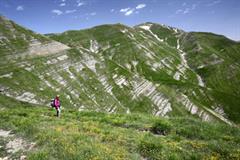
<point>57,105</point>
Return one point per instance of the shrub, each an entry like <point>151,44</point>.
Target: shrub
<point>150,147</point>
<point>161,127</point>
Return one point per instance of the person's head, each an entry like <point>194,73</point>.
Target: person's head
<point>57,96</point>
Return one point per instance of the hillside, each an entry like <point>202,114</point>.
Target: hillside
<point>162,57</point>
<point>149,68</point>
<point>216,59</point>
<point>140,92</point>
<point>34,132</point>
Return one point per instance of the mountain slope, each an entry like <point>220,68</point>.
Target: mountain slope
<point>111,68</point>
<point>150,70</point>
<point>33,132</point>
<point>216,59</point>
<point>17,42</point>
<point>153,52</point>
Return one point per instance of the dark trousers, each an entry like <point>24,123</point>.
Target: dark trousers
<point>58,111</point>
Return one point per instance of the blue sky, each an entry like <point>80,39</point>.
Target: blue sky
<point>48,16</point>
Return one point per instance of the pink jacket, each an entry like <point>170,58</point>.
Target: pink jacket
<point>57,103</point>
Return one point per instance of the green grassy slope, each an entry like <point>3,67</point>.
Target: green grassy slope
<point>149,71</point>
<point>15,39</point>
<point>150,51</point>
<point>96,135</point>
<point>116,69</point>
<point>216,59</point>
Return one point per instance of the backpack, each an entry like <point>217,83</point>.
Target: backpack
<point>52,103</point>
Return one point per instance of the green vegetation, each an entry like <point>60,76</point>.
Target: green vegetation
<point>108,64</point>
<point>15,40</point>
<point>216,59</point>
<point>96,135</point>
<point>144,71</point>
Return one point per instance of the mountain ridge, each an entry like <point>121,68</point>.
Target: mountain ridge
<point>148,92</point>
<point>154,64</point>
<point>134,26</point>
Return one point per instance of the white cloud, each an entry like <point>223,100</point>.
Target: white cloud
<point>140,6</point>
<point>112,10</point>
<point>179,11</point>
<point>213,3</point>
<point>80,3</point>
<point>187,9</point>
<point>125,9</point>
<point>57,12</point>
<point>20,8</point>
<point>93,14</point>
<point>62,4</point>
<point>184,4</point>
<point>129,12</point>
<point>70,11</point>
<point>63,0</point>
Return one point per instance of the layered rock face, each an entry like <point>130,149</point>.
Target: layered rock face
<point>149,68</point>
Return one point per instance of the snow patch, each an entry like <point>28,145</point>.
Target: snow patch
<point>147,28</point>
<point>183,66</point>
